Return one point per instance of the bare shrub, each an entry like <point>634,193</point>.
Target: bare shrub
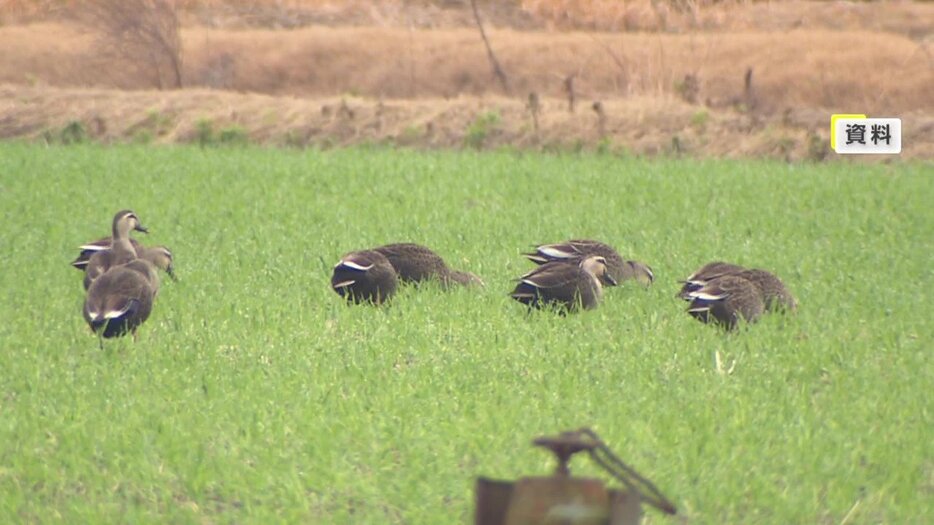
<point>140,35</point>
<point>688,88</point>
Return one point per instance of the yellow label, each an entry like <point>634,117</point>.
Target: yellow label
<point>833,128</point>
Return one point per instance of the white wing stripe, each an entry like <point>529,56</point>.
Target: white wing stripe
<point>708,297</point>
<point>114,314</point>
<point>553,252</point>
<point>355,266</point>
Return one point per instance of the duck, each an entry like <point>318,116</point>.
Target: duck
<point>121,299</point>
<point>633,270</point>
<point>160,256</point>
<point>364,276</point>
<point>774,292</point>
<point>121,249</point>
<point>89,249</point>
<point>726,299</point>
<point>574,250</point>
<point>705,273</point>
<point>569,286</point>
<point>415,263</point>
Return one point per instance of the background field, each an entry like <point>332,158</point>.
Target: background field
<point>255,396</point>
<point>671,75</point>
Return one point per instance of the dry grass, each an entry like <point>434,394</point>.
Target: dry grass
<point>277,14</point>
<point>731,15</point>
<point>904,17</point>
<point>840,71</point>
<point>808,59</point>
<point>636,125</point>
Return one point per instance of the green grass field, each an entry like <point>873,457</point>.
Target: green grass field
<point>255,396</point>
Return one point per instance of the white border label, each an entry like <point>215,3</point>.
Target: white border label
<point>868,135</point>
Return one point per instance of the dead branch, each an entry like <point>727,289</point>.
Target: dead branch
<point>497,69</point>
<point>412,82</point>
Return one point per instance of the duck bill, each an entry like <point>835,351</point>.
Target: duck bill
<point>609,279</point>
<point>171,271</point>
<point>141,228</point>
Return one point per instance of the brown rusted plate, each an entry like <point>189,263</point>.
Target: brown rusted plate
<point>625,508</point>
<point>492,501</point>
<point>558,499</point>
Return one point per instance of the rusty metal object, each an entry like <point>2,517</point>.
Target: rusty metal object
<point>492,501</point>
<point>565,445</point>
<point>564,499</point>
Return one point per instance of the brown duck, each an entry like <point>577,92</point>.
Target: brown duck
<point>773,290</point>
<point>89,249</point>
<point>565,285</point>
<point>575,250</point>
<point>705,273</point>
<point>725,300</point>
<point>121,299</point>
<point>160,256</point>
<point>415,263</point>
<point>121,249</point>
<point>364,276</point>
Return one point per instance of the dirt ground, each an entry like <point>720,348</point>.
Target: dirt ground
<point>725,79</point>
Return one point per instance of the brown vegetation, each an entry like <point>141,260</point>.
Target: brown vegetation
<point>903,17</point>
<point>759,73</point>
<point>838,71</point>
<point>730,15</point>
<point>638,125</point>
<point>140,37</point>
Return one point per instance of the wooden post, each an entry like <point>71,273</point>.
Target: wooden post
<point>601,118</point>
<point>534,107</point>
<point>569,90</point>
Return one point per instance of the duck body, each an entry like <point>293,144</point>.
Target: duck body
<point>704,274</point>
<point>100,245</point>
<point>564,285</point>
<point>575,250</point>
<point>121,299</point>
<point>364,276</point>
<point>776,295</point>
<point>160,256</point>
<point>725,300</point>
<point>415,263</point>
<point>102,261</point>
